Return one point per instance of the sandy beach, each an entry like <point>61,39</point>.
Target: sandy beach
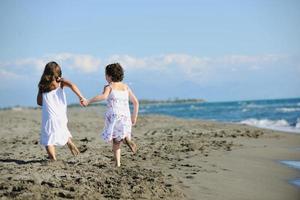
<point>176,159</point>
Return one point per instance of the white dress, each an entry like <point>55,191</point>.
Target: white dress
<point>54,118</point>
<point>117,117</point>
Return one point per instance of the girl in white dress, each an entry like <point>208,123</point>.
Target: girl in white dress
<point>52,98</point>
<point>118,120</point>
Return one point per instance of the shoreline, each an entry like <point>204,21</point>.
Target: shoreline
<point>281,124</point>
<point>177,159</point>
<point>295,164</point>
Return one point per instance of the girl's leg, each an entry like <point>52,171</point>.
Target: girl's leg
<point>117,152</point>
<point>131,145</point>
<point>72,147</point>
<point>51,152</point>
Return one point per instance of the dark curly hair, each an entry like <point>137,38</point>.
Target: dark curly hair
<point>51,73</point>
<point>115,71</point>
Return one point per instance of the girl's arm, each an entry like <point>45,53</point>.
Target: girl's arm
<point>135,103</point>
<point>73,87</point>
<point>100,97</point>
<point>39,99</point>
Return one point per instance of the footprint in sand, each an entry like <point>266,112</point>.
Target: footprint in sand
<point>83,148</point>
<point>189,177</point>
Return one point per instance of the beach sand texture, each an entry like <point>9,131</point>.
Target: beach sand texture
<point>176,159</point>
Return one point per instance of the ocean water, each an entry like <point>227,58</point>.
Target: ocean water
<point>277,114</point>
<point>294,164</point>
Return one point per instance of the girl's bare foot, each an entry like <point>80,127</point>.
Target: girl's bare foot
<point>131,145</point>
<point>73,148</point>
<point>51,152</point>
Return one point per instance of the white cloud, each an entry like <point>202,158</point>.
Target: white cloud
<point>85,63</point>
<point>7,75</point>
<point>187,66</point>
<point>186,60</point>
<point>81,62</point>
<point>200,68</point>
<point>128,61</point>
<point>161,62</point>
<point>246,60</point>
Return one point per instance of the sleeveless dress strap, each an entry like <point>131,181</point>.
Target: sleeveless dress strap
<point>109,85</point>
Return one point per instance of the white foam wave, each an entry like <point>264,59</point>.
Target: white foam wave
<point>298,124</point>
<point>192,107</point>
<point>252,105</point>
<point>285,110</point>
<point>292,163</point>
<point>296,182</point>
<point>280,125</point>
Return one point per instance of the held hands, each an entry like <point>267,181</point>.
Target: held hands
<point>83,102</point>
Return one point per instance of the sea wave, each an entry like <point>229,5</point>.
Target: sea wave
<point>193,107</point>
<point>292,163</point>
<point>285,110</point>
<point>253,105</point>
<point>298,124</point>
<point>280,125</point>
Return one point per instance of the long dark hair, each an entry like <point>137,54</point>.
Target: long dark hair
<point>52,72</point>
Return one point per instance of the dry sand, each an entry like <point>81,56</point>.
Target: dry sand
<point>177,159</point>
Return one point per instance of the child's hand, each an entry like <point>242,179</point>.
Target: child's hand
<point>133,119</point>
<point>84,102</point>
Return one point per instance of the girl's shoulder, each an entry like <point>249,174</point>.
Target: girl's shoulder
<point>125,86</point>
<point>118,86</point>
<point>52,87</point>
<point>108,86</point>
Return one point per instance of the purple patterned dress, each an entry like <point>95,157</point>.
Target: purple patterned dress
<point>117,117</point>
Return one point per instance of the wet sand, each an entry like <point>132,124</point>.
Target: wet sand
<point>176,159</point>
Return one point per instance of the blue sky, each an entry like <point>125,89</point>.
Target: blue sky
<point>216,50</point>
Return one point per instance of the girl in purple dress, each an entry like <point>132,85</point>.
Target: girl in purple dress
<point>118,119</point>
